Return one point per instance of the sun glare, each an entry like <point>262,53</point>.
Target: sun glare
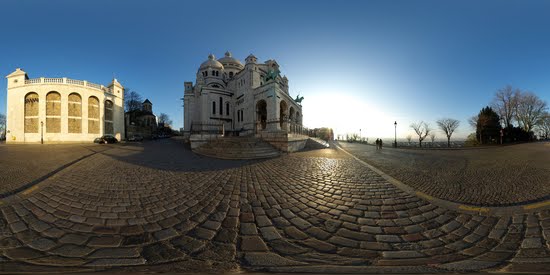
<point>347,115</point>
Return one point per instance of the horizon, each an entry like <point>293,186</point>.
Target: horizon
<point>358,65</point>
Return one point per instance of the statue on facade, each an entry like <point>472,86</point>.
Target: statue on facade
<point>299,99</point>
<point>272,75</point>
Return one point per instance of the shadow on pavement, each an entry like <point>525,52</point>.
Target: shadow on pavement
<point>170,155</point>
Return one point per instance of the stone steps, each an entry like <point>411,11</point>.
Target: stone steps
<point>238,148</point>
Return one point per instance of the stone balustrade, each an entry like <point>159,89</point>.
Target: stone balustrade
<point>64,80</point>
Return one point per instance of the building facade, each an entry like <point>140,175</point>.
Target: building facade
<point>62,109</point>
<point>241,99</point>
<point>142,121</point>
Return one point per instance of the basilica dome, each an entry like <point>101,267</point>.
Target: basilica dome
<point>211,63</point>
<point>228,60</point>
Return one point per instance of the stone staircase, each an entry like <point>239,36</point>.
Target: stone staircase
<point>316,143</point>
<point>238,148</point>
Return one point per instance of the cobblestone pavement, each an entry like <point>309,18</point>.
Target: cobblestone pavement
<point>23,164</point>
<point>315,211</point>
<point>491,177</point>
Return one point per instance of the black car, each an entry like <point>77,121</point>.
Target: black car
<point>99,140</point>
<point>106,139</point>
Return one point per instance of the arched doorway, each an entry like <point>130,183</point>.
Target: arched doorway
<point>283,114</point>
<point>291,116</point>
<point>261,114</point>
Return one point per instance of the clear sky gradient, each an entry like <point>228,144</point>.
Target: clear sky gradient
<point>358,64</point>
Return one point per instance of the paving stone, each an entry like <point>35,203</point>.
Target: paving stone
<point>249,229</point>
<point>319,245</point>
<point>295,233</point>
<point>340,241</point>
<point>116,252</point>
<point>71,250</point>
<point>20,253</point>
<point>165,234</point>
<point>270,233</point>
<point>116,262</point>
<point>268,259</point>
<point>286,248</point>
<point>105,241</point>
<point>253,243</point>
<point>402,254</point>
<point>42,244</point>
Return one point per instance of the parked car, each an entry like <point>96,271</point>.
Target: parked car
<point>110,139</point>
<point>136,138</point>
<point>99,140</point>
<point>105,139</point>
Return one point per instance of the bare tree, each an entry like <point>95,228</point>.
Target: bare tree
<point>529,110</point>
<point>544,126</point>
<point>132,100</point>
<point>422,129</point>
<point>505,104</point>
<point>164,119</point>
<point>409,137</point>
<point>2,126</point>
<point>448,126</point>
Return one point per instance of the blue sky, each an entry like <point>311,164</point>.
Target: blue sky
<point>358,64</point>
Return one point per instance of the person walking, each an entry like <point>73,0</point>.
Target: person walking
<point>381,143</point>
<point>377,144</point>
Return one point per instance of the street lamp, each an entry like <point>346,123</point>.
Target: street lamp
<point>41,132</point>
<point>395,140</point>
<point>183,114</point>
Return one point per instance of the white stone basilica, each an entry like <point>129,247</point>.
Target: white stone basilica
<point>237,99</point>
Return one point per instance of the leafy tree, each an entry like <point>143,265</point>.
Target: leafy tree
<point>487,125</point>
<point>422,129</point>
<point>132,100</point>
<point>448,126</point>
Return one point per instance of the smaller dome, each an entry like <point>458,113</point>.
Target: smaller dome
<point>211,62</point>
<point>229,60</point>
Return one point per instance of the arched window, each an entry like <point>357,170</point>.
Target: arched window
<point>53,112</point>
<point>109,117</point>
<point>227,108</point>
<point>230,74</point>
<point>93,115</point>
<point>31,113</point>
<point>214,107</point>
<point>221,106</point>
<point>239,115</point>
<point>74,120</point>
<point>217,73</point>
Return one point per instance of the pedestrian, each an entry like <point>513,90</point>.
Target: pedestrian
<point>381,144</point>
<point>377,144</point>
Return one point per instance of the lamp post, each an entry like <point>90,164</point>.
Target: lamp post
<point>395,140</point>
<point>41,132</point>
<point>182,114</point>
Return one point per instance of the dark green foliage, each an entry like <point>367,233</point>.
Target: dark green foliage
<point>488,126</point>
<point>516,134</point>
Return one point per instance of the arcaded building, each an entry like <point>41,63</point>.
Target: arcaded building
<point>56,110</point>
<point>241,99</point>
